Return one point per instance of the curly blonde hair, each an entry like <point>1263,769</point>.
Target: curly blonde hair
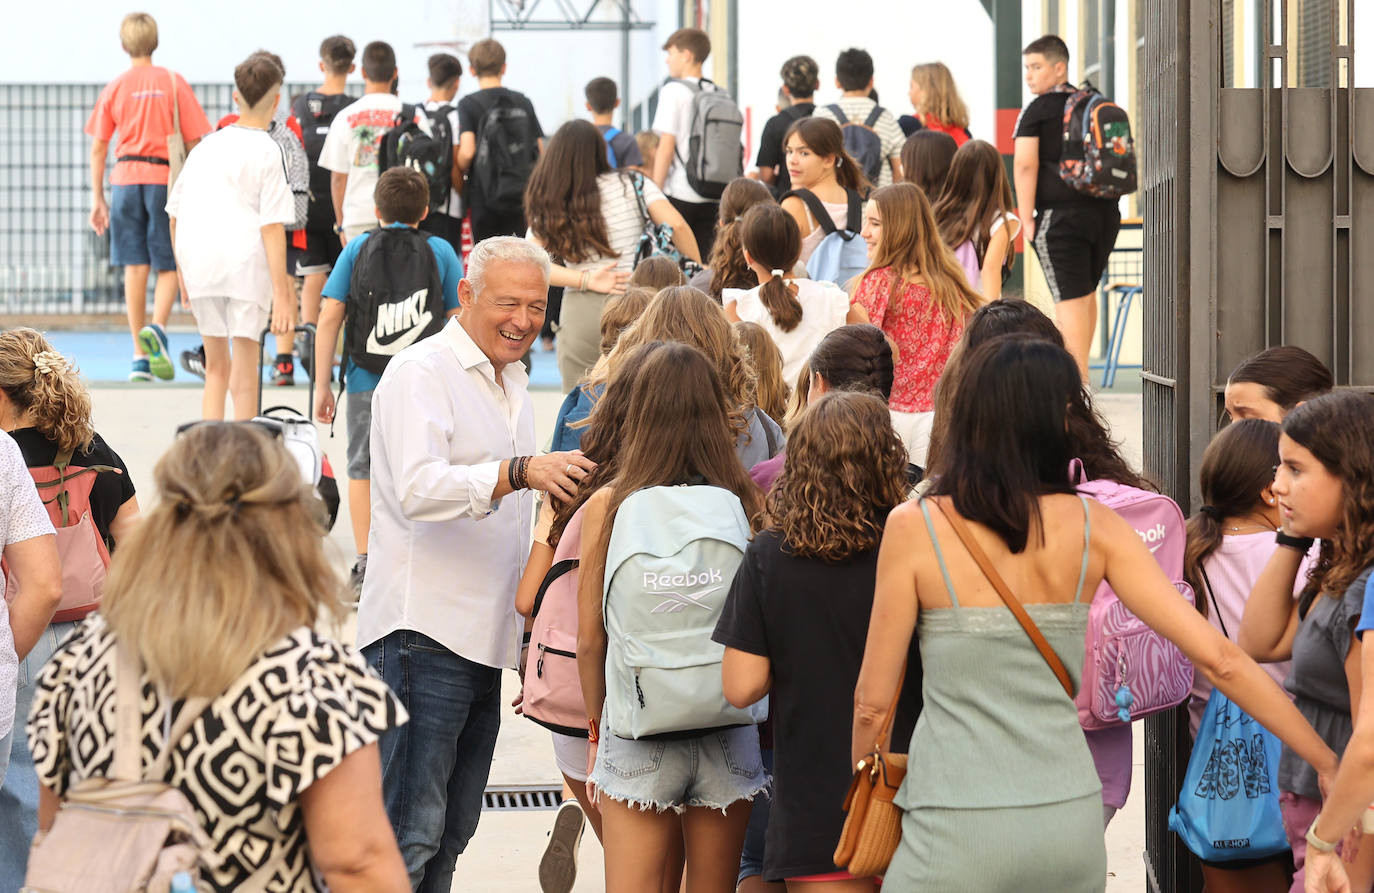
<point>229,560</point>
<point>845,470</point>
<point>41,383</point>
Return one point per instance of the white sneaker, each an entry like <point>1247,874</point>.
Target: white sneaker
<point>558,867</point>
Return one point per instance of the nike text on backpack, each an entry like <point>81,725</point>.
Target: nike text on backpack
<point>315,112</point>
<point>609,135</point>
<point>861,141</point>
<point>1098,158</point>
<point>395,297</point>
<point>715,153</point>
<point>672,554</point>
<point>507,148</point>
<point>657,238</point>
<point>407,145</point>
<point>66,493</point>
<point>552,689</point>
<point>841,254</point>
<point>1131,671</point>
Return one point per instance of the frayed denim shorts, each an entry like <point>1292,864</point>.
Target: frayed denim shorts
<point>713,770</point>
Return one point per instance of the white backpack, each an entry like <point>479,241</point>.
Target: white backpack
<point>672,555</point>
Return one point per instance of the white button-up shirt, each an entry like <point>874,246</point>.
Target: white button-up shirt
<point>444,558</point>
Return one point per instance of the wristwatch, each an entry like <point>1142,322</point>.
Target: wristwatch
<point>1316,842</point>
<point>338,229</point>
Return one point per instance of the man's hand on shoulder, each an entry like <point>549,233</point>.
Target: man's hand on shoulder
<point>559,474</point>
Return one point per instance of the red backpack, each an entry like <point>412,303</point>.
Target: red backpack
<point>66,493</point>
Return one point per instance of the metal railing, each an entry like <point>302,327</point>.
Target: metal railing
<point>51,262</point>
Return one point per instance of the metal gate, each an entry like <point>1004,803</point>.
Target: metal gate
<point>1258,207</point>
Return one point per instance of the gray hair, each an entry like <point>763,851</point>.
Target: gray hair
<point>503,248</point>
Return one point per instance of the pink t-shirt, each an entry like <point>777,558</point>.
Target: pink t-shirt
<point>138,105</point>
<point>1233,569</point>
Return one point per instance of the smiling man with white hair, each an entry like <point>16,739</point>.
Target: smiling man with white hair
<point>453,467</point>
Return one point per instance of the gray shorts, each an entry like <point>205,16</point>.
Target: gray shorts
<point>358,418</point>
<point>714,770</point>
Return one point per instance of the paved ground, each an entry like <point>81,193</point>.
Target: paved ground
<point>139,421</point>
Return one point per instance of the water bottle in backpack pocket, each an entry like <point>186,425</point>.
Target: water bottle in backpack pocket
<point>552,689</point>
<point>672,555</point>
<point>841,254</point>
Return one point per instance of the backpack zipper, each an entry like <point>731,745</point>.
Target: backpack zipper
<point>545,649</point>
<point>639,691</point>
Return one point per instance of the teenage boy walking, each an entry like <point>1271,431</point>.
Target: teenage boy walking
<point>351,148</point>
<point>227,215</point>
<point>501,121</point>
<point>687,50</point>
<point>1073,233</point>
<point>602,102</point>
<point>445,71</point>
<point>138,105</point>
<point>854,77</point>
<point>800,81</point>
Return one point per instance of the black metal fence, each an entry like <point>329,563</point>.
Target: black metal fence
<point>51,262</point>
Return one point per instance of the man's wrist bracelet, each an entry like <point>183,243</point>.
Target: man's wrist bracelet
<point>513,473</point>
<point>1301,543</point>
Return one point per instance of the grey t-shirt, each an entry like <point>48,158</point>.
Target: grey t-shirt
<point>1318,682</point>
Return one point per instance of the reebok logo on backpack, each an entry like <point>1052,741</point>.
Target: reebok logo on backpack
<point>1098,158</point>
<point>861,141</point>
<point>715,152</point>
<point>407,145</point>
<point>395,296</point>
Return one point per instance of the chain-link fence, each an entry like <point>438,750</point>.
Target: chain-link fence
<point>51,262</point>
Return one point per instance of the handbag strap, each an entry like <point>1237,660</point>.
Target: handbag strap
<point>1207,584</point>
<point>1013,604</point>
<point>128,757</point>
<point>880,743</point>
<point>176,105</point>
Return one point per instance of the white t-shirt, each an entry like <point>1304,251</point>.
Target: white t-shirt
<point>674,117</point>
<point>233,185</point>
<point>454,208</point>
<point>824,308</point>
<point>857,109</point>
<point>351,148</point>
<point>22,517</point>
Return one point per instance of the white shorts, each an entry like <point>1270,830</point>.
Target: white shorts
<point>230,317</point>
<point>570,753</point>
<point>914,430</point>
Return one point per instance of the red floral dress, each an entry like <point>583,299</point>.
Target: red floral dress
<point>925,336</point>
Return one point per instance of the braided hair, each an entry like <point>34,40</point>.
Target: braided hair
<point>855,358</point>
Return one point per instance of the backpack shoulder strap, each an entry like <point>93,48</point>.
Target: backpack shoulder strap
<point>854,218</point>
<point>128,761</point>
<point>559,568</point>
<point>191,710</point>
<point>407,113</point>
<point>873,116</point>
<point>817,209</point>
<point>838,112</point>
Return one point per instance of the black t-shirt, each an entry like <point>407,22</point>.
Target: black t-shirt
<point>1044,118</point>
<point>110,490</point>
<point>810,619</point>
<point>472,107</point>
<point>772,153</point>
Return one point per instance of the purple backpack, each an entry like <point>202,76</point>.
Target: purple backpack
<point>553,692</point>
<point>1129,670</point>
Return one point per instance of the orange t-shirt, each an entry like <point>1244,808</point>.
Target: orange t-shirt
<point>138,106</point>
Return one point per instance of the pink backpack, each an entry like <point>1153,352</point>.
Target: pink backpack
<point>553,692</point>
<point>1129,670</point>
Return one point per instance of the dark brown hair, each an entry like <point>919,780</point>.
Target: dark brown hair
<point>620,312</point>
<point>976,195</point>
<point>601,95</point>
<point>401,195</point>
<point>379,62</point>
<point>1051,46</point>
<point>1236,467</point>
<point>562,198</point>
<point>486,58</point>
<point>255,77</point>
<point>693,40</point>
<point>337,54</point>
<point>766,360</point>
<point>855,358</point>
<point>854,69</point>
<point>845,470</point>
<point>444,69</point>
<point>926,159</point>
<point>658,272</point>
<point>728,269</point>
<point>824,137</point>
<point>771,237</point>
<point>1288,374</point>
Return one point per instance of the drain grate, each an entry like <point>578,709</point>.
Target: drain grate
<point>521,797</point>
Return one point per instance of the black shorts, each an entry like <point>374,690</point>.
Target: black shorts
<point>322,249</point>
<point>1073,243</point>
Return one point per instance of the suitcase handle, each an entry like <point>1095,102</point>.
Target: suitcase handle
<point>307,329</point>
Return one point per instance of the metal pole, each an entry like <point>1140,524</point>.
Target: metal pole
<point>627,98</point>
<point>1006,49</point>
<point>1107,46</point>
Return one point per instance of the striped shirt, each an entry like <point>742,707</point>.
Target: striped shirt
<point>624,222</point>
<point>857,109</point>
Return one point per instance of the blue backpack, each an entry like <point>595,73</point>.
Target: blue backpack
<point>610,150</point>
<point>841,254</point>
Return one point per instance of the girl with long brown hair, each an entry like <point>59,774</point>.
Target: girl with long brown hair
<point>824,178</point>
<point>677,430</point>
<point>916,292</point>
<point>976,216</point>
<point>727,268</point>
<point>796,616</point>
<point>588,216</point>
<point>926,157</point>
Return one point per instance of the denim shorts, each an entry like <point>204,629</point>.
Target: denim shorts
<point>139,232</point>
<point>714,770</point>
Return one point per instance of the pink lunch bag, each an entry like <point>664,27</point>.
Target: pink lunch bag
<point>553,692</point>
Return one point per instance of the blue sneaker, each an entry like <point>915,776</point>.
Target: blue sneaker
<point>154,343</point>
<point>140,372</point>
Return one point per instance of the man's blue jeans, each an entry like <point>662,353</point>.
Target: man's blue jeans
<point>435,767</point>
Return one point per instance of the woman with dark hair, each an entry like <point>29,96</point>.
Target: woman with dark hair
<point>794,622</point>
<point>1270,383</point>
<point>1002,756</point>
<point>1324,485</point>
<point>926,158</point>
<point>587,216</point>
<point>822,170</point>
<point>727,268</point>
<point>976,216</point>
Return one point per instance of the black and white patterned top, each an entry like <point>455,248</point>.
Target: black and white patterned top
<point>290,718</point>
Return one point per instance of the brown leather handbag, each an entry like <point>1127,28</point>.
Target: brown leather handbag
<point>873,826</point>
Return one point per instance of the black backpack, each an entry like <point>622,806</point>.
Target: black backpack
<point>507,148</point>
<point>407,145</point>
<point>395,296</point>
<point>315,112</point>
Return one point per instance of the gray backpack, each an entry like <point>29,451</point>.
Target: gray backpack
<point>715,152</point>
<point>861,141</point>
<point>671,558</point>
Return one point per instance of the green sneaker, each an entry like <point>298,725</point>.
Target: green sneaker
<point>153,340</point>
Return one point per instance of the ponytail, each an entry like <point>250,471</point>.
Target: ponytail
<point>772,238</point>
<point>1204,536</point>
<point>781,304</point>
<point>849,175</point>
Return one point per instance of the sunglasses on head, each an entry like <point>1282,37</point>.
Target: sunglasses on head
<point>271,427</point>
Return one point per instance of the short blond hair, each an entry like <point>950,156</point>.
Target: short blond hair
<point>138,34</point>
